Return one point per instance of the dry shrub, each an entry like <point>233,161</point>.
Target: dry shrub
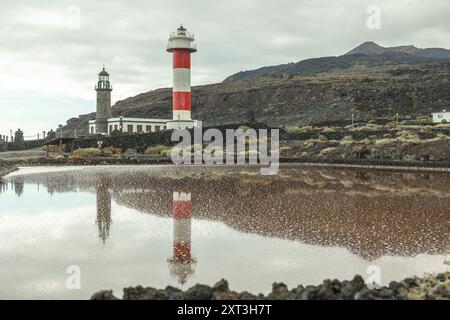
<point>85,153</point>
<point>404,146</point>
<point>112,151</point>
<point>346,140</point>
<point>443,125</point>
<point>406,136</point>
<point>328,150</point>
<point>300,129</point>
<point>331,129</point>
<point>284,151</point>
<point>156,150</point>
<point>370,127</point>
<point>58,157</point>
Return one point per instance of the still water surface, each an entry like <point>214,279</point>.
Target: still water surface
<point>166,225</point>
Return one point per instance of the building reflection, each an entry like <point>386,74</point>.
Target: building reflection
<point>103,220</point>
<point>18,186</point>
<point>181,264</point>
<point>3,186</point>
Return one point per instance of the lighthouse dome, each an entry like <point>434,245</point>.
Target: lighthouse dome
<point>103,72</point>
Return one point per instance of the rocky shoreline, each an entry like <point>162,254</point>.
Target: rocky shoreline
<point>426,288</point>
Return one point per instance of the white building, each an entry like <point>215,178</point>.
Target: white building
<point>132,125</point>
<point>440,117</point>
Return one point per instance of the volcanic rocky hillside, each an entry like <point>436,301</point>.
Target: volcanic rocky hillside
<point>369,54</point>
<point>370,48</point>
<point>313,91</point>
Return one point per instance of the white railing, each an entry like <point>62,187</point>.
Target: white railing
<point>170,45</point>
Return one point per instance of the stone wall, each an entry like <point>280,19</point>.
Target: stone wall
<point>140,141</point>
<point>137,141</point>
<point>28,144</point>
<point>356,135</point>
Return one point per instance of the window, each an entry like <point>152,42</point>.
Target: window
<point>440,116</point>
<point>156,128</point>
<point>148,128</point>
<point>92,129</point>
<point>115,127</point>
<point>110,128</point>
<point>130,128</point>
<point>139,128</point>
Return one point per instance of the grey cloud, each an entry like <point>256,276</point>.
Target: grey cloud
<point>130,36</point>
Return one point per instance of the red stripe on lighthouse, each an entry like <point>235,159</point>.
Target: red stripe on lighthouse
<point>182,209</point>
<point>182,58</point>
<point>181,101</point>
<point>182,252</point>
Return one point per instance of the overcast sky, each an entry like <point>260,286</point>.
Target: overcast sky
<point>51,51</point>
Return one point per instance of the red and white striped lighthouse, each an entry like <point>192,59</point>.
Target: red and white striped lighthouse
<point>181,263</point>
<point>181,44</point>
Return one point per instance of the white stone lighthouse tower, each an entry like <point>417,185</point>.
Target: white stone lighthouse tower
<point>181,44</point>
<point>181,263</point>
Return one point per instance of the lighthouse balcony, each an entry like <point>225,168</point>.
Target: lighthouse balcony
<point>103,86</point>
<point>172,45</point>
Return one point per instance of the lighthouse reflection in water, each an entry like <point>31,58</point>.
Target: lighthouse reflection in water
<point>181,264</point>
<point>141,225</point>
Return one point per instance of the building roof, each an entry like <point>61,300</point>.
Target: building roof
<point>57,141</point>
<point>138,120</point>
<point>103,72</point>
